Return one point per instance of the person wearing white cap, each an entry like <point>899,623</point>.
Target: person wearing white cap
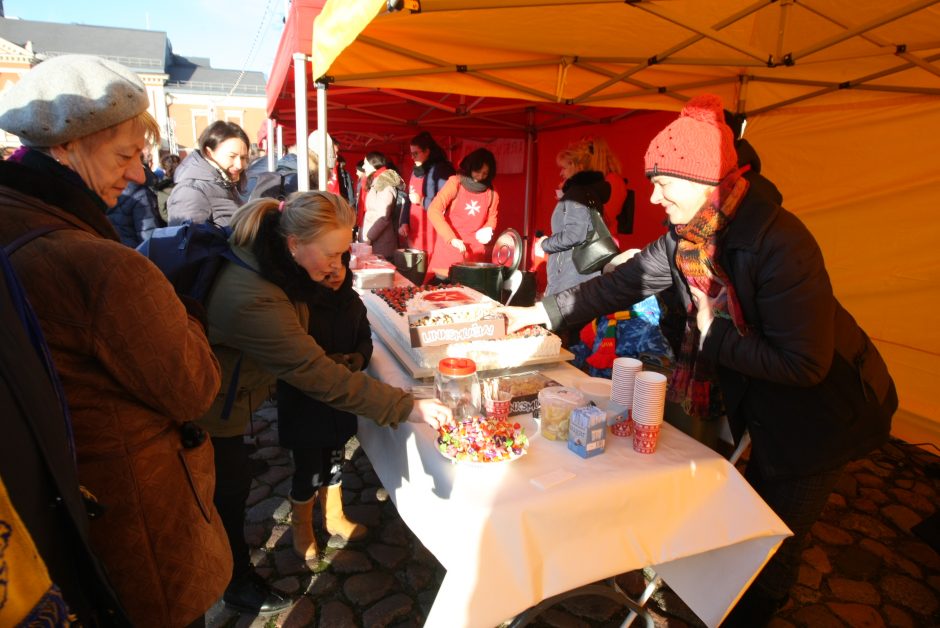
<point>766,341</point>
<point>135,368</point>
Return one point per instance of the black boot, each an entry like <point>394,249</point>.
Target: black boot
<point>249,593</point>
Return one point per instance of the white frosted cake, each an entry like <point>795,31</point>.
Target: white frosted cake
<point>434,322</point>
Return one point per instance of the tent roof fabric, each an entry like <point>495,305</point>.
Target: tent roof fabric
<point>651,54</point>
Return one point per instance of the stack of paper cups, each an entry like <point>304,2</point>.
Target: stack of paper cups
<point>621,391</point>
<point>622,376</point>
<point>649,403</point>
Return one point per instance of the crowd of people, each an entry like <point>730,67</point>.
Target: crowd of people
<point>131,511</point>
<point>124,474</point>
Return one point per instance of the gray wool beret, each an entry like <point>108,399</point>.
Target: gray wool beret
<point>68,97</point>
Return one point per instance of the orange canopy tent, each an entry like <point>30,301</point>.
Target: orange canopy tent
<point>842,99</point>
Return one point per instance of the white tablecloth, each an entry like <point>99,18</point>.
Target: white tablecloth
<point>507,544</point>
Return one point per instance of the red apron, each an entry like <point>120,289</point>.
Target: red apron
<point>418,225</point>
<point>467,213</point>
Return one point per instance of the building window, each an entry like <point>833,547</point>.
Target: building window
<point>200,122</point>
<point>236,116</point>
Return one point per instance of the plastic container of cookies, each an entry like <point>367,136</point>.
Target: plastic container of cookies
<point>555,406</point>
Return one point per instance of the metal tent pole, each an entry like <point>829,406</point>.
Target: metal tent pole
<point>529,185</point>
<point>323,169</point>
<point>300,118</point>
<point>271,155</point>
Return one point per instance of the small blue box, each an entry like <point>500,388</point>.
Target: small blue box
<point>587,431</point>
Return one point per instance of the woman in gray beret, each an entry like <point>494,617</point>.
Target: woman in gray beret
<point>209,179</point>
<point>134,367</point>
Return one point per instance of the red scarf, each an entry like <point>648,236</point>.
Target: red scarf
<point>694,380</point>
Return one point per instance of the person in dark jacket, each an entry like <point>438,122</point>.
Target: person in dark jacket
<point>207,182</point>
<point>766,341</point>
<point>315,432</point>
<point>256,168</point>
<point>432,170</point>
<point>346,188</point>
<point>137,212</point>
<point>164,187</point>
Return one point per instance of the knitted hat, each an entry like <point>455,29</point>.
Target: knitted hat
<point>314,142</point>
<point>68,97</point>
<point>697,146</point>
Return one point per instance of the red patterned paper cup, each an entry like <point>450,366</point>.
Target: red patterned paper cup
<point>645,438</point>
<point>623,428</point>
<point>498,408</point>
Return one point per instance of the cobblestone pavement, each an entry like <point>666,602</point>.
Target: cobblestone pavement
<point>863,566</point>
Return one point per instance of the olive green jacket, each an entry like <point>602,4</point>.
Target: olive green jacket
<point>252,317</point>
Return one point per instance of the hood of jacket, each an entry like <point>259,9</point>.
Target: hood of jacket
<point>198,168</point>
<point>588,188</point>
<point>387,178</point>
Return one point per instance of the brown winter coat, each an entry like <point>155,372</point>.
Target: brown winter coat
<point>133,366</point>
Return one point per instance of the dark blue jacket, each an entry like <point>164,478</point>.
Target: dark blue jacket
<point>137,212</point>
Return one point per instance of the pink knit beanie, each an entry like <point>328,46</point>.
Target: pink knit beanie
<point>697,146</point>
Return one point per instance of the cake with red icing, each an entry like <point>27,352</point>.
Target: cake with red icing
<point>433,322</point>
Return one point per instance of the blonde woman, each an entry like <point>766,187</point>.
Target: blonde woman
<point>583,190</point>
<point>258,324</point>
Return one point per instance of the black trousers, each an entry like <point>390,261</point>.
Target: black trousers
<point>315,467</point>
<point>232,483</point>
<point>798,502</point>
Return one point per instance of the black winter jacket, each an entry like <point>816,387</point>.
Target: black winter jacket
<point>339,325</point>
<point>807,383</point>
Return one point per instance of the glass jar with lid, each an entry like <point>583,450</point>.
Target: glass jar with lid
<point>457,386</point>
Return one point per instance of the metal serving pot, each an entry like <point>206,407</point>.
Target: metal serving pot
<point>490,277</point>
<point>412,264</point>
<point>484,277</point>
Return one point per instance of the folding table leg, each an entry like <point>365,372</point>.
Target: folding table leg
<point>615,594</point>
<point>648,592</point>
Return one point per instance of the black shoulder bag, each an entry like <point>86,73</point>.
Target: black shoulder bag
<point>598,247</point>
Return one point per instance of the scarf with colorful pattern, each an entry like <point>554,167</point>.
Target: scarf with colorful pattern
<point>694,380</point>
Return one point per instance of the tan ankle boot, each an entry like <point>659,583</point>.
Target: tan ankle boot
<point>334,519</point>
<point>301,523</point>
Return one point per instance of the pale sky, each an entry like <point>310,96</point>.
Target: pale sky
<point>222,30</point>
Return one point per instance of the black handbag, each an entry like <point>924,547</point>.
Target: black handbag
<point>597,249</point>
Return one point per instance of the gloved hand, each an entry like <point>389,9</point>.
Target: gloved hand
<point>354,361</point>
<point>458,244</point>
<point>484,235</point>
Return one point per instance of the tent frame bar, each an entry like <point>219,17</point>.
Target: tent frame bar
<point>300,119</point>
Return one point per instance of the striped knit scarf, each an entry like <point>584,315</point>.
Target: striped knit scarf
<point>694,379</point>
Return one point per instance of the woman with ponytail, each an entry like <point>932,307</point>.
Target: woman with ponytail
<point>258,329</point>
